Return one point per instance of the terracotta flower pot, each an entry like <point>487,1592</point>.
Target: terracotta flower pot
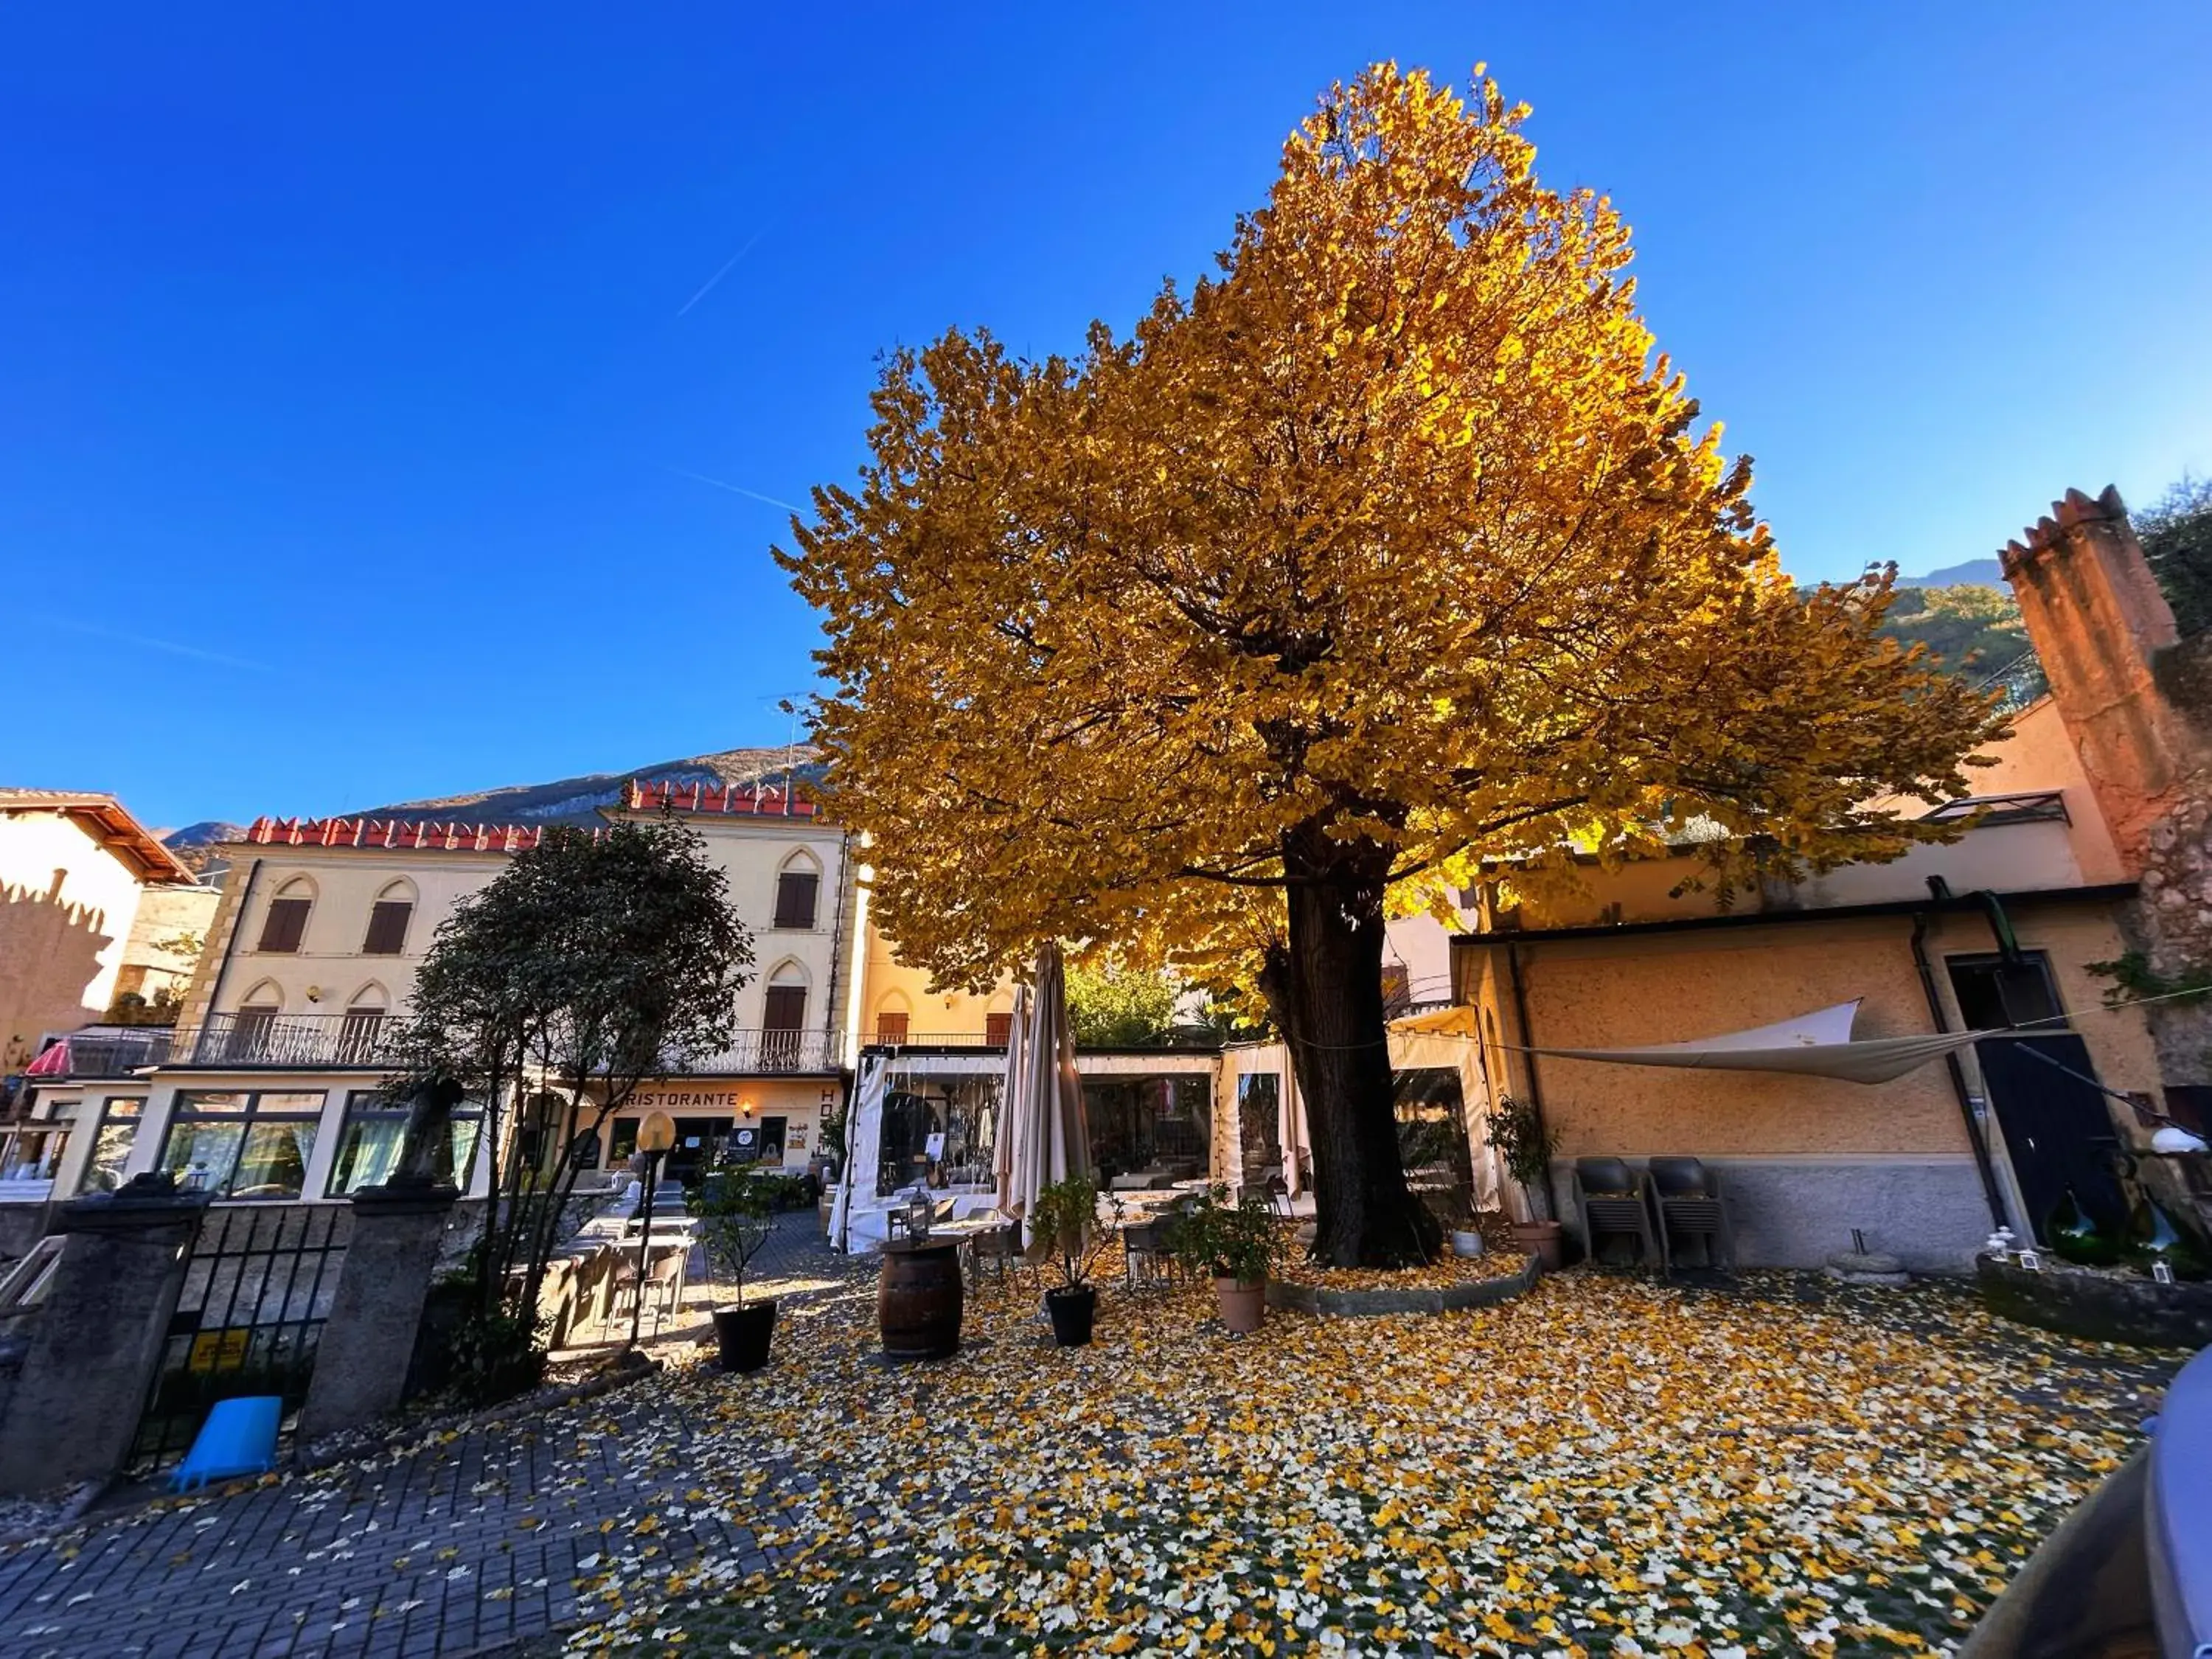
<point>1542,1237</point>
<point>1243,1306</point>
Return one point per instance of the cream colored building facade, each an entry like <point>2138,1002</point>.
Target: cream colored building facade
<point>271,1089</point>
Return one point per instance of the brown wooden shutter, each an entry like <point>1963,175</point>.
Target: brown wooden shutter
<point>785,1009</point>
<point>796,890</point>
<point>387,927</point>
<point>891,1028</point>
<point>285,924</point>
<point>997,1028</point>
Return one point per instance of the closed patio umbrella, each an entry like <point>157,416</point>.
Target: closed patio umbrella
<point>1044,1134</point>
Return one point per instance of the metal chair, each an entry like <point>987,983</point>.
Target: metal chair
<point>1613,1199</point>
<point>1001,1247</point>
<point>1688,1195</point>
<point>1145,1257</point>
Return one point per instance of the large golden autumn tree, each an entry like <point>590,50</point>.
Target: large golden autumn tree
<point>1393,548</point>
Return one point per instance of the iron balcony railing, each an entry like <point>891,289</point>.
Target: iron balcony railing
<point>117,1053</point>
<point>769,1052</point>
<point>255,1038</point>
<point>361,1040</point>
<point>1195,1039</point>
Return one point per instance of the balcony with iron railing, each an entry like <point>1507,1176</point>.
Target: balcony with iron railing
<point>259,1039</point>
<point>1182,1039</point>
<point>768,1054</point>
<point>362,1040</point>
<point>107,1051</point>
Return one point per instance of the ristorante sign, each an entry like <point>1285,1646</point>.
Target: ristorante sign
<point>714,1101</point>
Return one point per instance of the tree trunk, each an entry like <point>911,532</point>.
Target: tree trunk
<point>1326,990</point>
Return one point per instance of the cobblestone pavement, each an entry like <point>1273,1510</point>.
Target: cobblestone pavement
<point>465,1544</point>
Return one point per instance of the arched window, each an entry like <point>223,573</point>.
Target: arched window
<point>286,922</point>
<point>798,890</point>
<point>268,995</point>
<point>894,1018</point>
<point>250,1033</point>
<point>363,1024</point>
<point>387,920</point>
<point>783,1015</point>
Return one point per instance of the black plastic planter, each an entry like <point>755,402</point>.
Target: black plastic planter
<point>1072,1310</point>
<point>743,1335</point>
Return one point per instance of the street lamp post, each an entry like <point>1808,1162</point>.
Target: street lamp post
<point>654,1137</point>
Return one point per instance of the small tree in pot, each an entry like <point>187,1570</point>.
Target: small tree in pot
<point>1517,1133</point>
<point>735,1206</point>
<point>1234,1243</point>
<point>1062,1222</point>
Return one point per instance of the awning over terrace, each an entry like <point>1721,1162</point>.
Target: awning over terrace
<point>1817,1044</point>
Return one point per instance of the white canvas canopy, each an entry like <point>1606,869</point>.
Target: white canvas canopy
<point>864,1146</point>
<point>1044,1135</point>
<point>1817,1044</point>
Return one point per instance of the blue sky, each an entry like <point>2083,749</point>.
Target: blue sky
<point>362,375</point>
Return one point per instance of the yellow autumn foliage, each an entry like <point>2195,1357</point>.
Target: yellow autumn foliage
<point>1393,547</point>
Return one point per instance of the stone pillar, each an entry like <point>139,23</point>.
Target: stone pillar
<point>98,1337</point>
<point>369,1340</point>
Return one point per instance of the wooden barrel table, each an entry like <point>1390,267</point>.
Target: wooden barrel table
<point>918,1299</point>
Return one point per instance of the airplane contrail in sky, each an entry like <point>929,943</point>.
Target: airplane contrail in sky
<point>735,490</point>
<point>723,272</point>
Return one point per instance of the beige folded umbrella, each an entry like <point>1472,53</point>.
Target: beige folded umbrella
<point>1043,1135</point>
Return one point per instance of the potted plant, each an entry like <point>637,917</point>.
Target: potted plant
<point>1062,1222</point>
<point>1518,1134</point>
<point>1235,1243</point>
<point>734,1206</point>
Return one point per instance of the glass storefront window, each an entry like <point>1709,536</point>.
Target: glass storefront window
<point>1160,1126</point>
<point>368,1149</point>
<point>274,1163</point>
<point>33,1154</point>
<point>962,1110</point>
<point>242,1145</point>
<point>111,1144</point>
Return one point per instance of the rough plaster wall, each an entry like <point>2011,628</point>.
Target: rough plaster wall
<point>65,907</point>
<point>1605,993</point>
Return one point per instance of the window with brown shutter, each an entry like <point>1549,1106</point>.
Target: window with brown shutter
<point>794,899</point>
<point>387,927</point>
<point>891,1028</point>
<point>997,1028</point>
<point>783,1015</point>
<point>286,923</point>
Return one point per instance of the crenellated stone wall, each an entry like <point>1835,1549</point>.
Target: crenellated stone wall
<point>2136,699</point>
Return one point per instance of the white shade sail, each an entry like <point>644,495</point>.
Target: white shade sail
<point>1817,1044</point>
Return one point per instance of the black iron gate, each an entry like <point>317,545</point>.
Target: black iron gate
<point>258,1281</point>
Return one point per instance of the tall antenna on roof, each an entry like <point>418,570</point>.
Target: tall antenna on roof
<point>790,749</point>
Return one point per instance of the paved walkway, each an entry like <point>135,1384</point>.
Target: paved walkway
<point>463,1545</point>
